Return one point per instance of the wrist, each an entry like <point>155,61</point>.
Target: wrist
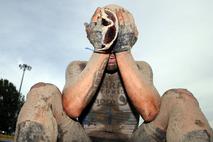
<point>123,53</point>
<point>121,48</point>
<point>102,51</point>
<point>123,57</point>
<point>101,55</point>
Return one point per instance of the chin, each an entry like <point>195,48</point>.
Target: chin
<point>112,68</point>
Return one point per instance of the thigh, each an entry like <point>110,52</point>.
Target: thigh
<point>148,132</point>
<point>36,121</point>
<point>72,131</point>
<point>42,118</point>
<point>186,122</point>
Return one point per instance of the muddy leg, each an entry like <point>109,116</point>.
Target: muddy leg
<point>148,132</point>
<point>180,120</point>
<point>186,122</point>
<point>43,119</point>
<point>154,131</point>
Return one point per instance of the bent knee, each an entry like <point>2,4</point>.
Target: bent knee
<point>197,136</point>
<point>179,94</point>
<point>31,131</point>
<point>42,84</point>
<point>37,85</point>
<point>44,90</point>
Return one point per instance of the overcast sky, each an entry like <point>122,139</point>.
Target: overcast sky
<point>175,38</point>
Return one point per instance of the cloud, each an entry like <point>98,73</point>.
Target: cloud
<point>175,38</point>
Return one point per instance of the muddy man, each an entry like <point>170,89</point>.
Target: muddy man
<point>104,97</point>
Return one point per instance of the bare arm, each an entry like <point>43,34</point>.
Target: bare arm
<point>140,91</point>
<point>81,86</point>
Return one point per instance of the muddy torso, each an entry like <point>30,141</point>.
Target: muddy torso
<point>110,112</point>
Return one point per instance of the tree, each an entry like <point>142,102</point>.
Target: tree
<point>10,104</point>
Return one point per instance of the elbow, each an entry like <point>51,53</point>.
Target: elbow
<point>150,116</point>
<point>150,113</point>
<point>71,108</point>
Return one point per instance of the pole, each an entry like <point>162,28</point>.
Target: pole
<point>24,67</point>
<point>22,78</point>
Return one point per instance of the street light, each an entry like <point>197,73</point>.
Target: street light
<point>24,67</point>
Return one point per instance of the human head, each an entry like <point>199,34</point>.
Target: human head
<point>123,18</point>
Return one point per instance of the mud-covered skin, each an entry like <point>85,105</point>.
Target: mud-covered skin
<point>42,118</point>
<point>111,111</point>
<point>181,117</point>
<point>110,97</point>
<point>102,30</point>
<point>119,37</point>
<point>197,136</point>
<point>148,133</point>
<point>96,139</point>
<point>30,131</point>
<point>180,120</point>
<point>127,31</point>
<point>94,34</point>
<point>125,40</point>
<point>72,132</point>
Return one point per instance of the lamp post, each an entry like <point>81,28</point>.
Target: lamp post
<point>24,67</point>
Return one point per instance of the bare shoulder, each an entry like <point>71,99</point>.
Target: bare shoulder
<point>73,71</point>
<point>76,66</point>
<point>146,70</point>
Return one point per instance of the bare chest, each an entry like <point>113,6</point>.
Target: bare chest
<point>110,110</point>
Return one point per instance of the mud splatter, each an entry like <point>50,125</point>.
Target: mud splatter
<point>31,131</point>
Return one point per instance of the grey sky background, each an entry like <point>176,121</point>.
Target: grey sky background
<point>175,38</point>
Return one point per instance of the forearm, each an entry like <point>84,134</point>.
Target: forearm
<point>79,93</point>
<point>141,92</point>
